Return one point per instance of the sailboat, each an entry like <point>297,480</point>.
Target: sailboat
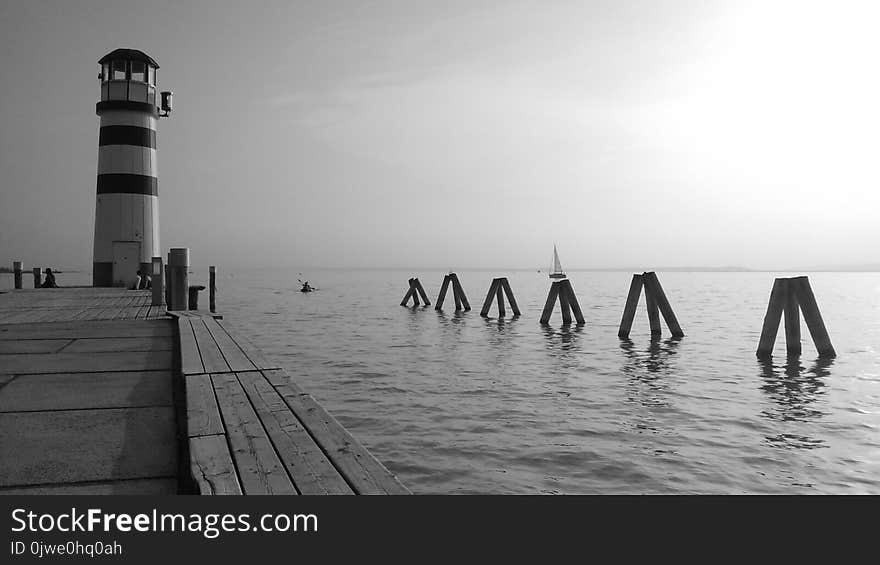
<point>556,270</point>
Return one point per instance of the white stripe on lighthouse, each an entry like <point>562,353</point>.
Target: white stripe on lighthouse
<point>128,118</point>
<point>130,159</point>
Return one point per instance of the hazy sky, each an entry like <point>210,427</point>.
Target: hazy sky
<point>460,134</point>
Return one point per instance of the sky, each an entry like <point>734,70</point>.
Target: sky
<point>460,134</point>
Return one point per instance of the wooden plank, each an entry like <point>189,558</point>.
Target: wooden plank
<point>308,466</point>
<point>791,312</point>
<point>361,469</point>
<point>653,282</point>
<point>442,296</point>
<point>252,351</point>
<point>212,358</point>
<point>813,317</point>
<point>190,359</point>
<point>91,345</point>
<point>510,298</point>
<point>232,353</point>
<point>550,303</point>
<point>573,302</point>
<point>64,362</point>
<point>772,319</point>
<point>493,291</point>
<point>456,285</point>
<point>31,346</point>
<point>211,466</point>
<point>629,310</point>
<point>456,297</point>
<point>259,469</point>
<point>202,412</point>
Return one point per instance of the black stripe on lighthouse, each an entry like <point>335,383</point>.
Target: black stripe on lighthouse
<point>127,135</point>
<point>122,183</point>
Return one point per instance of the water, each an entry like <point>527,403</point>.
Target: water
<point>454,403</point>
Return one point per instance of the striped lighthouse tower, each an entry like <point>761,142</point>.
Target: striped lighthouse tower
<point>127,208</point>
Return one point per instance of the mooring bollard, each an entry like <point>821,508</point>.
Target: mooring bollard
<point>194,296</point>
<point>567,301</point>
<point>415,290</point>
<point>16,274</point>
<point>212,288</point>
<point>178,267</point>
<point>157,275</point>
<point>36,271</point>
<point>656,302</point>
<point>498,286</point>
<point>792,296</point>
<point>461,300</point>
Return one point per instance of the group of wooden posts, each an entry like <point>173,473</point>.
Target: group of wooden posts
<point>790,296</point>
<point>18,275</point>
<point>169,283</point>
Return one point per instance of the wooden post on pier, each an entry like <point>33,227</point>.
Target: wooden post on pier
<point>212,288</point>
<point>497,290</point>
<point>568,303</point>
<point>178,270</point>
<point>16,274</point>
<point>415,290</point>
<point>461,300</point>
<point>156,283</point>
<point>657,303</point>
<point>36,271</point>
<point>791,297</point>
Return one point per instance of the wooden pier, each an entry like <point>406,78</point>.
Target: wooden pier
<point>102,393</point>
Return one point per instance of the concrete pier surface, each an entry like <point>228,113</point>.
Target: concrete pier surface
<point>101,393</point>
<point>86,402</point>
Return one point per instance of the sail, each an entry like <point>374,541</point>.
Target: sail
<point>556,270</point>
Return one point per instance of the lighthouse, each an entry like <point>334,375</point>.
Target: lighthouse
<point>127,202</point>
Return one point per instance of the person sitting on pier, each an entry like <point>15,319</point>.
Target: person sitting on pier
<point>146,282</point>
<point>50,280</point>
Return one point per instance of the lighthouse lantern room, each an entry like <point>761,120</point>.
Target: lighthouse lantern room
<point>127,206</point>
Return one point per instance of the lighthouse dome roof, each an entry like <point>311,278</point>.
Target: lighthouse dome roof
<point>129,54</point>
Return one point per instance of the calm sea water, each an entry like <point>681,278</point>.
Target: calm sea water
<point>455,403</point>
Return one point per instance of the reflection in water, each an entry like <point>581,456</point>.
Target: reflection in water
<point>645,369</point>
<point>794,389</point>
<point>564,339</point>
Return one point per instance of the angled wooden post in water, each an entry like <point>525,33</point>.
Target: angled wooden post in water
<point>457,293</point>
<point>497,290</point>
<point>438,305</point>
<point>513,305</point>
<point>415,289</point>
<point>567,301</point>
<point>656,302</point>
<point>457,289</point>
<point>790,296</point>
<point>36,271</point>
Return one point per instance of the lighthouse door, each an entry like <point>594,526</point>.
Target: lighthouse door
<point>126,261</point>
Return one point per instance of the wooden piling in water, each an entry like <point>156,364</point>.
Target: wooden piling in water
<point>456,286</point>
<point>493,289</point>
<point>415,289</point>
<point>563,305</point>
<point>36,271</point>
<point>629,310</point>
<point>551,302</point>
<point>438,305</point>
<point>457,297</point>
<point>573,302</point>
<point>212,288</point>
<point>807,302</point>
<point>16,274</point>
<point>791,296</point>
<point>500,296</point>
<point>792,320</point>
<point>653,312</point>
<point>507,290</point>
<point>651,281</point>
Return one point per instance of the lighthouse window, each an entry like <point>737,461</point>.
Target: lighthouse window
<point>138,71</point>
<point>151,75</point>
<point>118,70</point>
<point>105,72</point>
